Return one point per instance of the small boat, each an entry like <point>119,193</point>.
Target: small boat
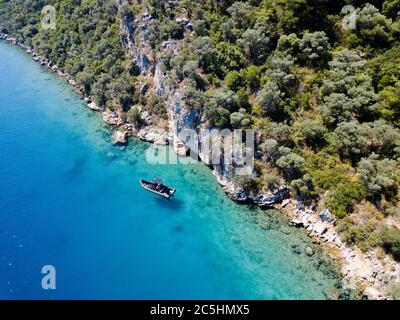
<point>157,187</point>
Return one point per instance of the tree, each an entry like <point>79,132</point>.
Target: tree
<point>204,51</point>
<point>280,132</point>
<point>134,116</point>
<point>193,98</point>
<point>234,80</point>
<point>390,105</point>
<point>289,44</point>
<point>190,70</point>
<point>86,79</point>
<point>225,98</point>
<point>217,117</point>
<point>378,176</point>
<point>122,92</point>
<point>310,132</point>
<point>292,166</point>
<point>298,15</point>
<point>304,188</point>
<point>347,92</point>
<point>350,140</point>
<point>391,8</point>
<point>239,119</point>
<point>270,98</point>
<point>252,75</point>
<point>354,140</point>
<point>174,30</point>
<point>373,28</point>
<point>280,71</point>
<point>241,13</point>
<point>314,48</point>
<point>228,57</point>
<point>255,44</point>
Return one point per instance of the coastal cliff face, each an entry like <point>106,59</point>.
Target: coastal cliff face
<point>136,37</point>
<point>322,99</point>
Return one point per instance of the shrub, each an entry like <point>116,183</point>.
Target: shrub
<point>394,288</point>
<point>390,237</point>
<point>252,76</point>
<point>343,199</point>
<point>365,235</point>
<point>134,116</point>
<point>234,80</point>
<point>304,188</point>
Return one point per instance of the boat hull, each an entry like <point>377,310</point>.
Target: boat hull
<point>149,186</point>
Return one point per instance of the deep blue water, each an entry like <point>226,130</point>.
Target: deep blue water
<point>70,199</point>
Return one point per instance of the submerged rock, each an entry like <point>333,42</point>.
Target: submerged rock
<point>309,251</point>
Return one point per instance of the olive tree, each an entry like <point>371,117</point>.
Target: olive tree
<point>347,91</point>
<point>378,176</point>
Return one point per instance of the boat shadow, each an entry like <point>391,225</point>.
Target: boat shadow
<point>172,204</point>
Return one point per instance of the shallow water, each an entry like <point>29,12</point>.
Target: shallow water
<point>68,198</point>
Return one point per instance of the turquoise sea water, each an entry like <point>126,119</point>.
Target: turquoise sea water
<point>68,198</point>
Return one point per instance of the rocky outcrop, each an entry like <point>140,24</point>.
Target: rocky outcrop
<point>362,270</point>
<point>93,106</point>
<point>120,137</point>
<point>154,135</point>
<point>112,118</point>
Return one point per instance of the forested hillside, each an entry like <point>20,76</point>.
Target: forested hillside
<point>325,99</point>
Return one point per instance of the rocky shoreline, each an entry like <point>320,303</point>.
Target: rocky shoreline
<point>364,271</point>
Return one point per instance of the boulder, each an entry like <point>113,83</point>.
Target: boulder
<point>161,141</point>
<point>309,251</point>
<point>320,228</point>
<point>372,294</point>
<point>120,137</point>
<point>93,106</point>
<point>327,216</point>
<point>285,203</point>
<point>237,194</point>
<point>297,223</point>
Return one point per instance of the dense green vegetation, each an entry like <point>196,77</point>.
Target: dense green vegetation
<point>325,99</point>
